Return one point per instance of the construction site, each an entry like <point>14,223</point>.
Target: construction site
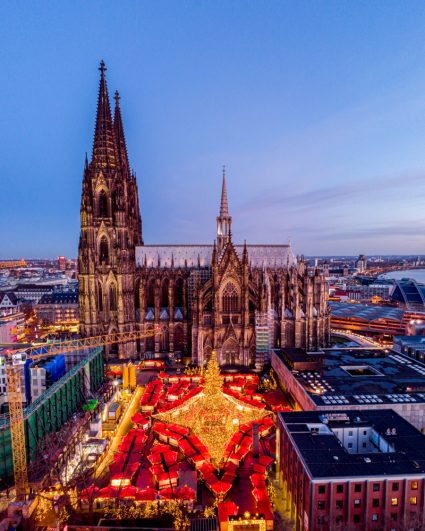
<point>50,440</point>
<point>50,412</point>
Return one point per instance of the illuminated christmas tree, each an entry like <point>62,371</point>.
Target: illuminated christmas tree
<point>213,382</point>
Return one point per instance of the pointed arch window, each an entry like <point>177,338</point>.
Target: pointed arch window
<point>104,250</point>
<point>113,298</point>
<point>100,297</point>
<point>151,294</point>
<point>178,292</point>
<point>164,293</point>
<point>230,299</point>
<point>103,205</point>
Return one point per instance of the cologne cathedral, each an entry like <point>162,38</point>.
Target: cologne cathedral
<point>239,300</point>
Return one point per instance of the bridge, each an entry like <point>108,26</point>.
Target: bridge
<point>380,270</point>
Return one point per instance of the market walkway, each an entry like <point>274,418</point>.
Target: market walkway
<point>123,427</point>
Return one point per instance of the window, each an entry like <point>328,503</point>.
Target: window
<point>358,487</point>
<point>339,504</point>
<point>413,500</point>
<point>350,445</point>
<point>414,485</point>
<point>99,297</point>
<point>375,502</point>
<point>356,518</point>
<point>321,505</point>
<point>364,432</point>
<point>394,517</point>
<point>395,486</point>
<point>322,489</point>
<point>340,488</point>
<point>376,487</point>
<point>375,517</point>
<point>113,298</point>
<point>104,249</point>
<point>339,519</point>
<point>320,520</point>
<point>364,445</point>
<point>103,205</point>
<point>230,299</point>
<point>394,502</point>
<point>357,503</point>
<point>350,433</point>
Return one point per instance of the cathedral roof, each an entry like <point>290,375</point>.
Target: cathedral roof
<point>260,256</point>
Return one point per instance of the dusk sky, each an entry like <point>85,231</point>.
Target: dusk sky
<point>317,109</point>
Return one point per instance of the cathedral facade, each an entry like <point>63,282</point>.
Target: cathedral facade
<point>193,298</point>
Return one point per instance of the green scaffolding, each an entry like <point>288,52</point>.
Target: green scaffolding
<point>50,411</point>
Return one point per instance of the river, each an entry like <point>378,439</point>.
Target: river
<point>416,274</point>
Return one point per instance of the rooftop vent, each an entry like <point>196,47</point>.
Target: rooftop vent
<point>336,458</point>
<point>367,460</point>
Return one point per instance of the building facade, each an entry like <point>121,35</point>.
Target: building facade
<point>351,470</point>
<point>195,298</point>
<point>58,308</point>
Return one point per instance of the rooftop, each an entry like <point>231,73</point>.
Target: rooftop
<point>409,292</point>
<point>393,446</point>
<point>67,297</point>
<point>258,255</point>
<point>360,376</point>
<point>365,313</point>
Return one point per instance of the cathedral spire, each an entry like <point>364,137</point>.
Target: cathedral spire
<point>224,207</point>
<point>104,141</point>
<point>119,136</point>
<point>224,220</point>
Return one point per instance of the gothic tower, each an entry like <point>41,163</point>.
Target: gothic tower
<point>111,228</point>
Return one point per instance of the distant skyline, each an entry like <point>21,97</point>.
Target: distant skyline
<point>317,109</point>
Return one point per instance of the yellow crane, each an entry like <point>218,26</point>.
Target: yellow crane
<point>14,390</point>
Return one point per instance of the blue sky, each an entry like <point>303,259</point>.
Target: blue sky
<point>317,109</point>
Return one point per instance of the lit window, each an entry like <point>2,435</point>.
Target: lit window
<point>356,503</point>
<point>230,299</point>
<point>394,502</point>
<point>375,517</point>
<point>413,500</point>
<point>414,485</point>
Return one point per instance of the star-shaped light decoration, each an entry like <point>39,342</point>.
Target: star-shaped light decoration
<point>212,415</point>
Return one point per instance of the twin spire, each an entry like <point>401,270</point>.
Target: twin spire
<point>109,147</point>
<point>110,151</point>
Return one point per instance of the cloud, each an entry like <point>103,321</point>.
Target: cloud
<point>318,198</point>
<point>416,229</point>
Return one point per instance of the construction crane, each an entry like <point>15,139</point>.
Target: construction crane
<point>14,389</point>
